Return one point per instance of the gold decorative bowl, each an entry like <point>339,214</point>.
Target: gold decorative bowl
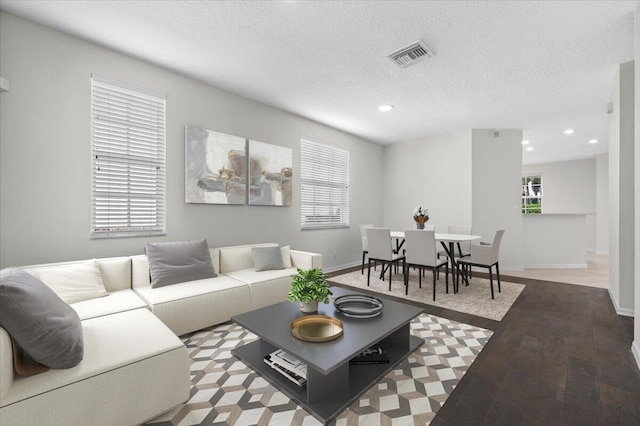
<point>317,328</point>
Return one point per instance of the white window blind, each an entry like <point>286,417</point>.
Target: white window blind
<point>128,160</point>
<point>324,174</point>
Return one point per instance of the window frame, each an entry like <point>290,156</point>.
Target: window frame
<point>128,160</point>
<point>325,173</point>
<point>527,198</point>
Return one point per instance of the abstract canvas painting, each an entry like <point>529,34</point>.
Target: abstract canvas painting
<point>215,167</point>
<point>270,171</point>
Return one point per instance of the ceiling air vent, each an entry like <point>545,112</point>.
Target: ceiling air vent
<point>411,54</point>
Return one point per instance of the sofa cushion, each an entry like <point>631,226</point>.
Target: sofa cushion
<point>250,276</point>
<point>43,325</point>
<point>116,301</point>
<point>75,283</point>
<point>168,294</point>
<point>236,258</point>
<point>115,271</point>
<point>286,256</point>
<point>267,287</point>
<point>267,258</point>
<point>178,262</point>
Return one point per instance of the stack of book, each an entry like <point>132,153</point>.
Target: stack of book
<point>373,355</point>
<point>287,365</point>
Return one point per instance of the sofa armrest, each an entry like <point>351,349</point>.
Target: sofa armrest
<point>305,260</point>
<point>6,363</point>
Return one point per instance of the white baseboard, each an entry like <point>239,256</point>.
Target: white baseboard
<point>557,266</point>
<point>620,311</point>
<point>635,350</point>
<point>340,267</point>
<point>503,268</point>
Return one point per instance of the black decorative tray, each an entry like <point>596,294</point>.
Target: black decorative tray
<point>358,306</point>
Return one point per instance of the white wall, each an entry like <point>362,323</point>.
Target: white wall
<point>570,187</point>
<point>497,191</point>
<point>602,204</point>
<point>434,172</point>
<point>45,156</point>
<point>621,192</point>
<point>636,341</point>
<point>554,241</point>
<point>567,186</point>
<point>467,178</point>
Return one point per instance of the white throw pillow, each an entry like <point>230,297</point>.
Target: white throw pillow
<point>75,283</point>
<point>286,256</point>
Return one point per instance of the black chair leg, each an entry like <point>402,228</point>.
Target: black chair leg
<point>446,276</point>
<point>406,281</point>
<point>434,284</point>
<point>498,274</point>
<point>491,282</point>
<point>369,273</point>
<point>420,277</point>
<point>467,274</point>
<point>363,256</point>
<point>390,274</point>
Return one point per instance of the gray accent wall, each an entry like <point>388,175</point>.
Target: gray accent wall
<point>45,170</point>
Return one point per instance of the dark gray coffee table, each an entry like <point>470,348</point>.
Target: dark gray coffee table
<point>332,384</point>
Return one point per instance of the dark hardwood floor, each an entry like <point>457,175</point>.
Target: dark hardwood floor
<point>561,356</point>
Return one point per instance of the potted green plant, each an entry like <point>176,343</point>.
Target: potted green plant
<point>309,287</point>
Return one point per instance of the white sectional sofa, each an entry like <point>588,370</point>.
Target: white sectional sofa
<point>238,288</point>
<point>134,366</point>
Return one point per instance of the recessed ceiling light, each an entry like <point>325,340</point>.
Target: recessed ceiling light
<point>593,141</point>
<point>385,108</point>
<point>569,132</point>
<point>530,148</point>
<point>525,142</point>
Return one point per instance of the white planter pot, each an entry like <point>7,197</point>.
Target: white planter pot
<point>309,306</point>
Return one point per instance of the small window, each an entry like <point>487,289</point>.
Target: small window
<point>324,174</point>
<point>127,160</point>
<point>532,194</point>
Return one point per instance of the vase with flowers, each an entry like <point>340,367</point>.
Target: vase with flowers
<point>421,216</point>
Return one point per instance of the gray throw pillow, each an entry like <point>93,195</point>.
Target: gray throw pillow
<point>267,258</point>
<point>177,262</point>
<point>45,327</point>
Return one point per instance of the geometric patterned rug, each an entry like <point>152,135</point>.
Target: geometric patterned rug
<point>474,299</point>
<point>225,391</point>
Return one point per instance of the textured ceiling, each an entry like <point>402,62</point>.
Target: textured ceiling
<point>541,66</point>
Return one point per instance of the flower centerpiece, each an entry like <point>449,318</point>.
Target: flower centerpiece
<point>421,216</point>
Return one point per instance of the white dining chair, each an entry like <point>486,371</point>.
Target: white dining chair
<point>486,256</point>
<point>421,253</point>
<point>365,243</point>
<point>379,244</point>
<point>464,248</point>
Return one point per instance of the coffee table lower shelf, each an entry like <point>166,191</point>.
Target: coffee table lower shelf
<point>325,396</point>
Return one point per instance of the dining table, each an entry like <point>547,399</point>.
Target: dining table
<point>448,242</point>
